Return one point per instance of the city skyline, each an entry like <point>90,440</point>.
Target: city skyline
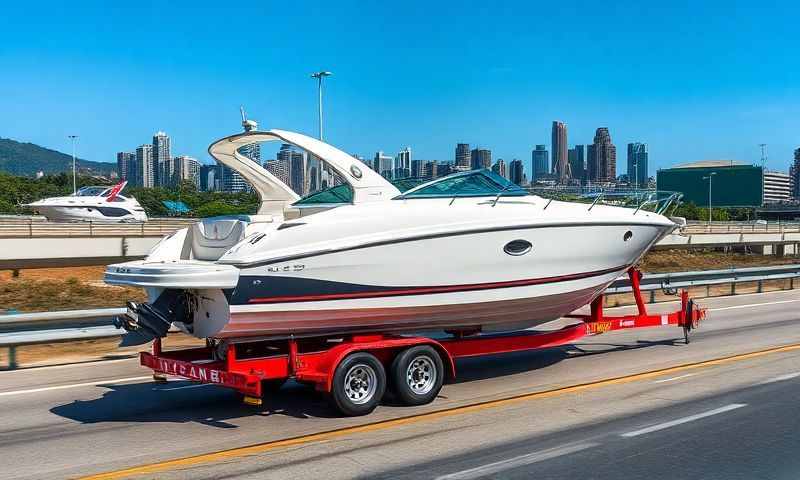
<point>746,95</point>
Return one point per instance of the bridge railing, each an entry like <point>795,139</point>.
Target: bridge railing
<point>27,227</point>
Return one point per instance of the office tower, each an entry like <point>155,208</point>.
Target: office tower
<point>794,172</point>
<point>637,164</point>
<point>185,168</point>
<point>402,164</point>
<point>516,172</point>
<point>481,158</point>
<point>383,164</point>
<point>145,171</point>
<point>162,160</point>
<point>577,162</point>
<point>298,173</point>
<point>210,178</point>
<point>126,163</point>
<point>252,151</point>
<point>431,169</point>
<point>602,158</point>
<point>500,168</point>
<point>232,181</point>
<point>559,148</point>
<point>282,165</point>
<point>463,157</point>
<point>417,168</point>
<point>540,162</point>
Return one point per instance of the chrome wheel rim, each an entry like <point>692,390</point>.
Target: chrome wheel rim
<point>360,383</point>
<point>421,375</point>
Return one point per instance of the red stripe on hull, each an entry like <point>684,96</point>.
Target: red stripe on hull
<point>437,289</point>
<point>527,311</point>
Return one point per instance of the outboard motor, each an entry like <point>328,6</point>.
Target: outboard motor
<point>147,321</point>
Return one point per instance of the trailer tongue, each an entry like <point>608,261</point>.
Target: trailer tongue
<point>355,370</point>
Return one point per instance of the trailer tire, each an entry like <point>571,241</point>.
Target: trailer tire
<point>359,383</point>
<point>417,375</point>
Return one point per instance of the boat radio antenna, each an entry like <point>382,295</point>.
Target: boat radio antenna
<point>248,125</point>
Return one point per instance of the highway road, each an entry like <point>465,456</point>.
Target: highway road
<point>620,405</point>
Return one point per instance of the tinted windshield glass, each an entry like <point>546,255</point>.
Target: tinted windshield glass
<point>338,194</point>
<point>91,191</point>
<point>475,183</point>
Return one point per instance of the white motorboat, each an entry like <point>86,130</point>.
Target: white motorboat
<point>95,204</point>
<point>469,252</point>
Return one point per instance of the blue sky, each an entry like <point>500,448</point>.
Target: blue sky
<point>694,80</point>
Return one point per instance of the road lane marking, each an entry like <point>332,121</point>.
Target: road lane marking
<point>527,459</point>
<point>681,421</point>
<point>254,449</point>
<point>671,379</point>
<point>86,364</point>
<point>781,378</point>
<point>75,385</point>
<point>751,305</point>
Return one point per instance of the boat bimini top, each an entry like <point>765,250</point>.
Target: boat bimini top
<point>276,196</point>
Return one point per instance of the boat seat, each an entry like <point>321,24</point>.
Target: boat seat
<point>211,238</point>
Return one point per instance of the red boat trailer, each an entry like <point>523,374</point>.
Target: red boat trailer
<point>356,369</point>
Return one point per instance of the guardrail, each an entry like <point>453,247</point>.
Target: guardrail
<point>29,228</point>
<point>741,228</point>
<point>651,283</point>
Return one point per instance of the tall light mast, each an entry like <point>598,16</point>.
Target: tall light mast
<point>74,138</point>
<point>319,76</point>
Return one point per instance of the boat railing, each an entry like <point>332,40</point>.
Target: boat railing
<point>658,201</point>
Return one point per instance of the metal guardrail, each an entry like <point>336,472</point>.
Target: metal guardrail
<point>29,228</point>
<point>724,227</point>
<point>652,283</point>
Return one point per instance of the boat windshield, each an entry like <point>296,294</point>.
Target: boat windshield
<point>474,183</point>
<point>91,191</point>
<point>344,193</point>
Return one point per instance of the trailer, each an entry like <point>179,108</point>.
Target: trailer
<point>356,370</point>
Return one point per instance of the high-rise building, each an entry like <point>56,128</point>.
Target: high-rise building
<point>162,160</point>
<point>431,169</point>
<point>637,164</point>
<point>185,168</point>
<point>577,162</point>
<point>232,181</point>
<point>252,151</point>
<point>283,168</point>
<point>602,158</point>
<point>463,157</point>
<point>540,162</point>
<point>145,166</point>
<point>559,148</point>
<point>383,164</point>
<point>417,168</point>
<point>298,173</point>
<point>211,178</point>
<point>402,165</point>
<point>516,172</point>
<point>794,172</point>
<point>500,168</point>
<point>481,158</point>
<point>126,166</point>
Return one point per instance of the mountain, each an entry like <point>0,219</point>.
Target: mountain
<point>27,158</point>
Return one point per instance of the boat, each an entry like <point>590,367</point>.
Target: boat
<point>469,252</point>
<point>92,204</point>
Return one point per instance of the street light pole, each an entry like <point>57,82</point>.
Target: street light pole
<point>319,76</point>
<point>74,169</point>
<point>709,195</point>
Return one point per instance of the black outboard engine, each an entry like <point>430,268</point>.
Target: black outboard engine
<point>146,321</point>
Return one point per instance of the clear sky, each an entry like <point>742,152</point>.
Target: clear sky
<point>693,79</point>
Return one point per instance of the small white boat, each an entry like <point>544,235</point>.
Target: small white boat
<point>95,204</point>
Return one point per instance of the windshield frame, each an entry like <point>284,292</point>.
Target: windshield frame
<point>504,187</point>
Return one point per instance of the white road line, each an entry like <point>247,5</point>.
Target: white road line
<point>681,421</point>
<point>781,378</point>
<point>675,378</point>
<point>75,385</point>
<point>89,364</point>
<point>751,305</point>
<point>527,459</point>
<point>180,388</point>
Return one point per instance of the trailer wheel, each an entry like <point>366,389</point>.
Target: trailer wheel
<point>358,384</point>
<point>417,375</point>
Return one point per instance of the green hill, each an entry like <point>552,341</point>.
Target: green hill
<point>27,158</point>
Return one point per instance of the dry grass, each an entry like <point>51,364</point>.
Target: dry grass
<point>69,294</point>
<point>663,261</point>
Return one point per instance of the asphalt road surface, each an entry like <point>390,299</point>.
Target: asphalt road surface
<point>735,418</point>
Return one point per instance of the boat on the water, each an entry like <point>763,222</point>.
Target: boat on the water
<point>467,252</point>
<point>95,204</point>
